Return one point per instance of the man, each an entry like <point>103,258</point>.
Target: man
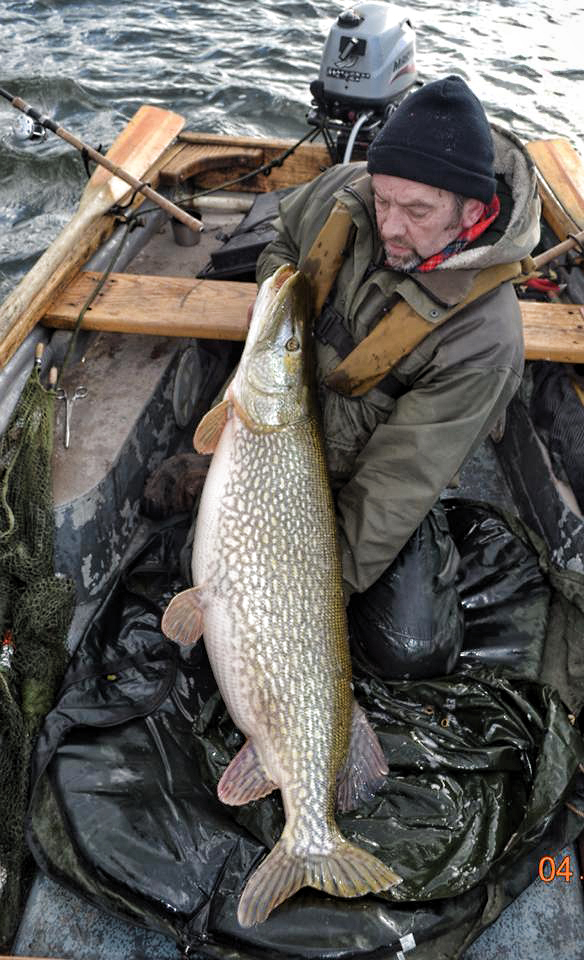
<point>441,198</point>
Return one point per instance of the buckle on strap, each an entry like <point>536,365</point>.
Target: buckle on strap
<point>330,329</point>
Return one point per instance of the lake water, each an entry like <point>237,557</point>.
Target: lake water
<point>245,68</point>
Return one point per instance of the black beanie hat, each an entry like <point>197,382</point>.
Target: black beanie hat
<point>438,135</point>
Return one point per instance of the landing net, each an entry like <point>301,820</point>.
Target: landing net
<point>35,611</point>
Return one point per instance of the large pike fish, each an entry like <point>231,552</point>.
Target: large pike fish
<point>270,602</point>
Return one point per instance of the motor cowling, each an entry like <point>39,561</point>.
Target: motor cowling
<point>368,61</point>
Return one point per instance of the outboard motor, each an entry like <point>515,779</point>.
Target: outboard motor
<point>368,65</point>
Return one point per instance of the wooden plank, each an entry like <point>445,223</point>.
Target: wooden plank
<point>196,159</point>
<point>137,148</point>
<point>276,144</point>
<point>186,307</point>
<point>307,161</point>
<point>167,306</point>
<point>561,183</point>
<point>553,331</point>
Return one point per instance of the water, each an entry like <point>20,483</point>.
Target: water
<point>243,68</point>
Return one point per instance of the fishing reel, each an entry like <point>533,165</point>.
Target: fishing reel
<point>367,67</point>
<point>25,128</point>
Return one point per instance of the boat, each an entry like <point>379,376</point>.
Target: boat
<point>164,316</point>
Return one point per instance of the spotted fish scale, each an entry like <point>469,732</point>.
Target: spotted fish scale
<point>280,538</point>
<point>269,599</point>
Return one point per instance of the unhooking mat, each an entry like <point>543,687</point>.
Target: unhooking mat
<point>483,778</point>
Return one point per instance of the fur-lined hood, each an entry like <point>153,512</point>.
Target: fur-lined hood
<point>513,163</point>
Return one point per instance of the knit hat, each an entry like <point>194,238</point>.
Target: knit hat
<point>438,135</point>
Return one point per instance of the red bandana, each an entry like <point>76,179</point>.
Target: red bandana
<point>490,213</point>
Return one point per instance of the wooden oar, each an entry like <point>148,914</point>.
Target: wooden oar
<point>574,242</point>
<point>136,150</point>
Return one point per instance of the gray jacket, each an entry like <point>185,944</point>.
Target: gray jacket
<point>389,459</point>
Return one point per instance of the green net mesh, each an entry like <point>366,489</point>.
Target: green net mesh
<point>35,612</point>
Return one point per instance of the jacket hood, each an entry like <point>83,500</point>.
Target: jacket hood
<point>513,163</point>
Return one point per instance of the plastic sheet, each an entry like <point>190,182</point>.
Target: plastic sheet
<point>396,638</point>
<point>504,592</point>
<point>124,808</point>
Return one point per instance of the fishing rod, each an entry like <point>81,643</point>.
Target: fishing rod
<point>171,208</point>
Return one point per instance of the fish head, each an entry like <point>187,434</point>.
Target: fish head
<point>273,386</point>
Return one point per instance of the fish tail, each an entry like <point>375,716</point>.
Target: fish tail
<point>346,871</point>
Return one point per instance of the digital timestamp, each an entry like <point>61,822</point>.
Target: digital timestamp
<point>548,871</point>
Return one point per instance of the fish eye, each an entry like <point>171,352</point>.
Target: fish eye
<point>292,344</point>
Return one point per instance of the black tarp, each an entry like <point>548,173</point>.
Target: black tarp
<point>558,416</point>
<point>124,808</point>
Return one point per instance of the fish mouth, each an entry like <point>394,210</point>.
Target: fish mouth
<point>284,273</point>
<point>290,311</point>
<point>283,315</point>
<point>292,285</point>
<point>274,368</point>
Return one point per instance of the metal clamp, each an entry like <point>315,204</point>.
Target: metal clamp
<point>61,394</point>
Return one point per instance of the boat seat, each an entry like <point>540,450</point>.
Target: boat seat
<point>560,170</point>
<point>193,159</point>
<point>174,306</point>
<point>187,307</point>
<point>553,331</point>
<point>212,161</point>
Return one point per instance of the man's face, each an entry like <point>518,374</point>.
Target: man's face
<point>415,220</point>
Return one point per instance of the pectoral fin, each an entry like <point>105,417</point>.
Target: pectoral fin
<point>210,428</point>
<point>366,767</point>
<point>183,618</point>
<point>245,778</point>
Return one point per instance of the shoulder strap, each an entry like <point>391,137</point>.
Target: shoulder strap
<point>399,331</point>
<point>325,257</point>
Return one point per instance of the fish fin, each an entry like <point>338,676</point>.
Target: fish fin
<point>346,871</point>
<point>210,428</point>
<point>182,620</point>
<point>365,768</point>
<point>244,779</point>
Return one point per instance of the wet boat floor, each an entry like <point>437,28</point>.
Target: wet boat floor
<point>544,923</point>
